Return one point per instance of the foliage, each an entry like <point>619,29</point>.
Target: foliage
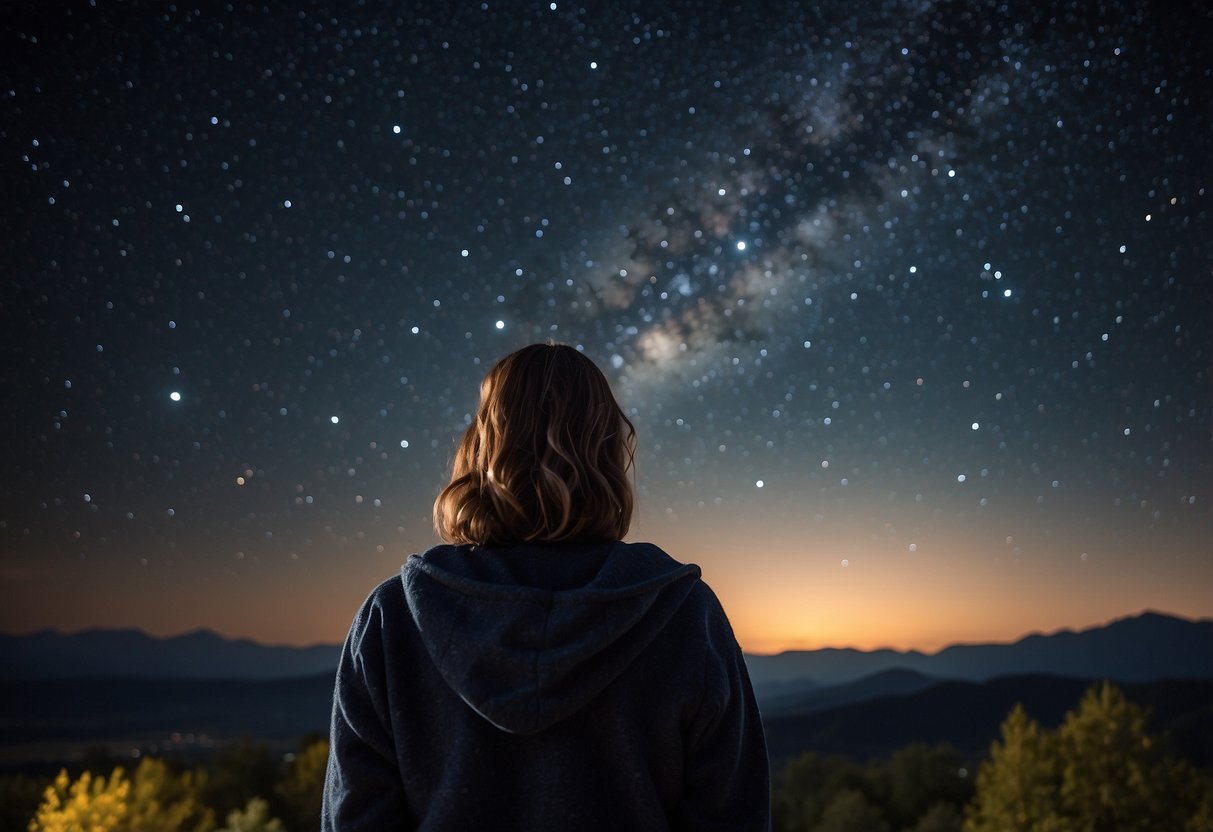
<point>942,817</point>
<point>239,773</point>
<point>87,804</point>
<point>152,800</point>
<point>1202,789</point>
<point>255,817</point>
<point>301,789</point>
<point>1112,777</point>
<point>161,799</point>
<point>919,777</point>
<point>813,794</point>
<point>1099,772</point>
<point>850,811</point>
<point>1016,788</point>
<point>804,787</point>
<point>245,783</point>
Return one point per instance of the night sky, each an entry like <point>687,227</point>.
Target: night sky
<point>909,301</point>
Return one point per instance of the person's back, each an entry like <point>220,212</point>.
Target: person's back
<point>538,673</point>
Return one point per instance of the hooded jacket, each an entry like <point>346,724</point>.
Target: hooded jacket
<point>544,687</point>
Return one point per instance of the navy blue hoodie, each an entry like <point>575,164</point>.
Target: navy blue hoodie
<point>545,687</point>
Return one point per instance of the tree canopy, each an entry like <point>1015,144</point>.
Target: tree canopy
<point>1100,771</point>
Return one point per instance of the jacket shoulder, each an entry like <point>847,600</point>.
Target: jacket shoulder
<point>382,610</point>
<point>386,597</point>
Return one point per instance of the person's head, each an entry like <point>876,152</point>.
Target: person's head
<point>545,460</point>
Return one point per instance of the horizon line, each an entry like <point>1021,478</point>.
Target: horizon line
<point>211,631</point>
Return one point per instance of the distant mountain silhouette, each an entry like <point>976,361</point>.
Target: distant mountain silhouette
<point>791,699</point>
<point>1148,646</point>
<point>130,653</point>
<point>968,715</point>
<point>1137,649</point>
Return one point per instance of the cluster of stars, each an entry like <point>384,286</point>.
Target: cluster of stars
<point>887,261</point>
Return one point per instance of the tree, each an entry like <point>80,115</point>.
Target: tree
<point>162,799</point>
<point>900,791</point>
<point>850,811</point>
<point>806,785</point>
<point>255,817</point>
<point>153,800</point>
<point>240,772</point>
<point>1017,787</point>
<point>919,776</point>
<point>1201,787</point>
<point>1099,772</point>
<point>942,817</point>
<point>89,803</point>
<point>1113,777</point>
<point>301,790</point>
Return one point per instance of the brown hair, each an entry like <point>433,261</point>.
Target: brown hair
<point>546,459</point>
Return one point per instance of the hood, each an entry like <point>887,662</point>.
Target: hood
<point>527,635</point>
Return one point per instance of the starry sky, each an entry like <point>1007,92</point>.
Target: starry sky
<point>909,301</point>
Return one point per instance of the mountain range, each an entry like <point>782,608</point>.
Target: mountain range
<point>1136,649</point>
<point>126,689</point>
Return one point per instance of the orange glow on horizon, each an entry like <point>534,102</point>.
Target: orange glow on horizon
<point>834,585</point>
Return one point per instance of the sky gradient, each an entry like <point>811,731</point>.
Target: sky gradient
<point>910,302</point>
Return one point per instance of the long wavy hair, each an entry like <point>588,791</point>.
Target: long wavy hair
<point>545,460</point>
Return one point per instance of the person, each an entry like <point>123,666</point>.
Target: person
<point>535,672</point>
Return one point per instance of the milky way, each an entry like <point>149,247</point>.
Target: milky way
<point>930,278</point>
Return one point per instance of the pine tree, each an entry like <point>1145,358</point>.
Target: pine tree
<point>1017,786</point>
<point>1113,778</point>
<point>1099,772</point>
